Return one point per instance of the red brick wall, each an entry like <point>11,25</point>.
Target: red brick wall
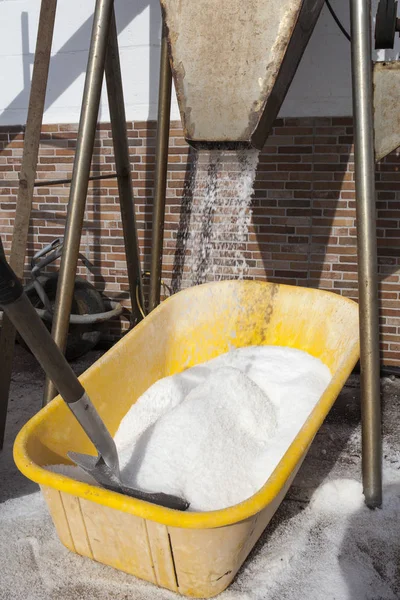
<point>303,229</point>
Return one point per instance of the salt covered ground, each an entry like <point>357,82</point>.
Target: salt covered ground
<point>322,544</point>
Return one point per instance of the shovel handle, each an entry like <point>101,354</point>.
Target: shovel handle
<point>26,321</point>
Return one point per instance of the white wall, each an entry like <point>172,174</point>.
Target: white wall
<point>321,87</point>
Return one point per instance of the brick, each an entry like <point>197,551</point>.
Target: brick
<point>295,149</point>
<point>291,131</point>
<point>342,121</point>
<point>297,167</point>
<point>328,166</point>
<point>331,130</point>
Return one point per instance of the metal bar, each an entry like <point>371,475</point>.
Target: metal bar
<point>367,250</point>
<point>161,172</point>
<point>50,182</point>
<point>25,189</point>
<point>115,311</point>
<point>80,177</point>
<point>62,181</point>
<point>123,167</point>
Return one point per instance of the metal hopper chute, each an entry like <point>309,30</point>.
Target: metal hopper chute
<point>233,62</point>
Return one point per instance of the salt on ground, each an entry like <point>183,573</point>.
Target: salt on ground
<point>214,433</point>
<point>335,549</point>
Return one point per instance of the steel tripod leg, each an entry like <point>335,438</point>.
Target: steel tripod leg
<point>123,168</point>
<point>367,251</point>
<point>80,177</point>
<point>160,184</point>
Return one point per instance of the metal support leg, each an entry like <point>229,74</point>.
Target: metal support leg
<point>123,168</point>
<point>25,188</point>
<point>367,251</point>
<point>160,184</point>
<point>80,177</point>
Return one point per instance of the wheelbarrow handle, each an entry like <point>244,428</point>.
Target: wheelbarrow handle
<point>27,322</point>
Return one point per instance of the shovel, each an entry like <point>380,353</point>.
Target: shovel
<point>104,467</point>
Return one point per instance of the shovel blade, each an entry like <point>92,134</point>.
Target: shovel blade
<point>97,468</point>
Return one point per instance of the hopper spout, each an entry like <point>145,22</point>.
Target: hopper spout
<point>233,62</point>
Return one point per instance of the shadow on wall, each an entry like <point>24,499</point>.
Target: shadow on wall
<point>303,187</point>
<point>61,78</point>
<point>303,224</point>
<point>300,181</point>
<point>303,205</point>
<point>304,213</point>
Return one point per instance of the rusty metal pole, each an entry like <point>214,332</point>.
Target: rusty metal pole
<point>367,251</point>
<point>123,169</point>
<point>80,177</point>
<point>25,188</point>
<point>160,183</point>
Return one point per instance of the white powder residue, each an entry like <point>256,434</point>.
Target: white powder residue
<point>220,194</point>
<point>214,433</point>
<point>334,549</point>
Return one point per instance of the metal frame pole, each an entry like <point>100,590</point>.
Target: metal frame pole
<point>25,189</point>
<point>123,168</point>
<point>367,250</point>
<point>80,177</point>
<point>161,172</point>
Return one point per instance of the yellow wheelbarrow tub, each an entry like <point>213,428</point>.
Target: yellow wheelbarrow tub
<point>194,554</point>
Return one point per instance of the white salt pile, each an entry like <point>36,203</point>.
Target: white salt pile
<point>214,433</point>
